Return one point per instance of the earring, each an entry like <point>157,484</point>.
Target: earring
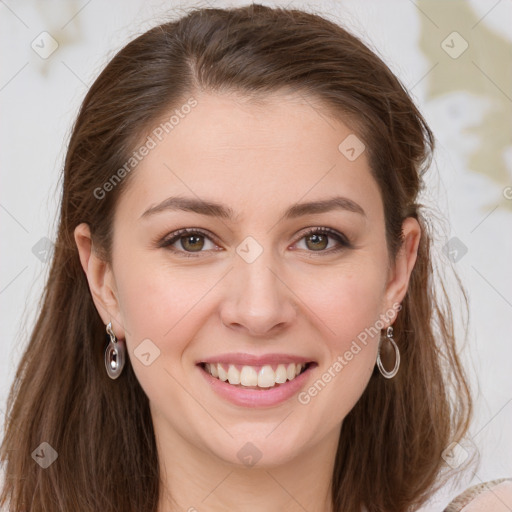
<point>394,371</point>
<point>114,354</point>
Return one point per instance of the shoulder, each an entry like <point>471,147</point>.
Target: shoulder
<point>495,495</point>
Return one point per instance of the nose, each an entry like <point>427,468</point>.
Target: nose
<point>258,301</point>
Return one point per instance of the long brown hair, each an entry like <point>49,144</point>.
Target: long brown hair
<point>390,449</point>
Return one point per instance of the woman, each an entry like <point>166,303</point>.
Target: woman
<point>240,220</point>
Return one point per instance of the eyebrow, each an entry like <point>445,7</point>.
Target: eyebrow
<point>213,209</point>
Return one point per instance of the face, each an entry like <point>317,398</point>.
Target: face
<point>267,287</point>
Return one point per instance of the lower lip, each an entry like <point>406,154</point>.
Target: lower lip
<point>258,397</point>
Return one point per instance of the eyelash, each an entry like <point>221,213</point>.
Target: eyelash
<point>174,237</point>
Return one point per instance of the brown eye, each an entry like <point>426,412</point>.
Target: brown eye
<point>317,241</point>
<point>192,242</point>
<point>186,242</point>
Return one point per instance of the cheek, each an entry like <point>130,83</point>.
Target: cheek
<point>157,310</point>
<point>347,306</point>
<point>347,300</point>
<point>152,302</point>
<point>161,303</point>
<point>164,304</point>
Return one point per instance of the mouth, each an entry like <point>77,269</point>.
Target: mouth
<point>262,377</point>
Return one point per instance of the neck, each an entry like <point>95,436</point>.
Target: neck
<point>193,480</point>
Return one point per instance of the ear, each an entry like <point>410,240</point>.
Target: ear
<point>100,278</point>
<point>400,272</point>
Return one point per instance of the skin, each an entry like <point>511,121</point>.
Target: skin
<point>295,298</point>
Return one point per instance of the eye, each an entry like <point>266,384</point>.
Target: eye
<point>317,240</point>
<point>191,240</point>
<point>188,241</point>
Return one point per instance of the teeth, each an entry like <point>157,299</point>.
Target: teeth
<point>248,376</point>
<point>266,377</point>
<point>233,375</point>
<point>281,375</point>
<point>263,377</point>
<point>222,373</point>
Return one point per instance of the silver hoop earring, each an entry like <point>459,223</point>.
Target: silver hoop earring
<point>115,354</point>
<point>394,371</point>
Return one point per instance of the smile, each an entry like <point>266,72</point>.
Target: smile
<point>255,382</point>
<point>255,377</point>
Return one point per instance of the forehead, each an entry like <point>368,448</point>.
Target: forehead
<point>252,154</point>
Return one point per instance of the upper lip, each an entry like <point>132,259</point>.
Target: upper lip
<point>255,360</point>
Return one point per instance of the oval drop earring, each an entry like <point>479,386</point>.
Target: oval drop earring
<point>394,371</point>
<point>115,354</point>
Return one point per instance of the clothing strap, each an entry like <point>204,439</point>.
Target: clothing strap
<point>471,493</point>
